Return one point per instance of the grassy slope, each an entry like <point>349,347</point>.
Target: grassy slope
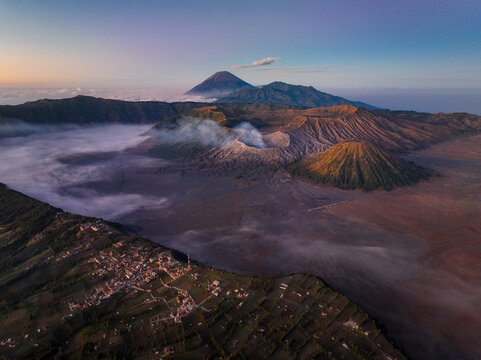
<point>52,263</point>
<point>359,165</point>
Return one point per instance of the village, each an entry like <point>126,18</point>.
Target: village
<point>167,292</point>
<point>130,268</point>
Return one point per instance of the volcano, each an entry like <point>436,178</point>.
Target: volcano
<point>219,84</point>
<point>359,165</point>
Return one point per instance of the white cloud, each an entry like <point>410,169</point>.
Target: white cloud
<point>266,61</point>
<point>303,69</point>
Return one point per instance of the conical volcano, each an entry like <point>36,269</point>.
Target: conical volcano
<point>359,165</point>
<point>219,84</point>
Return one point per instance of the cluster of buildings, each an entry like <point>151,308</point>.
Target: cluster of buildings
<point>126,267</point>
<point>95,226</point>
<point>352,324</point>
<point>72,305</point>
<point>214,287</point>
<point>186,306</point>
<point>10,342</point>
<point>238,293</point>
<point>171,266</point>
<point>129,268</point>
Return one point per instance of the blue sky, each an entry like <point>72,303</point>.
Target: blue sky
<point>343,45</point>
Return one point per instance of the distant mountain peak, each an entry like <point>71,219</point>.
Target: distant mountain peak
<point>279,92</point>
<point>277,83</point>
<point>219,84</point>
<point>223,75</point>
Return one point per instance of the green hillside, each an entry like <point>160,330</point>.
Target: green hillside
<point>73,287</point>
<point>359,165</point>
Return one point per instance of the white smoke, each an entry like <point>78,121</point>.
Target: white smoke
<point>208,133</point>
<point>196,131</point>
<point>249,135</point>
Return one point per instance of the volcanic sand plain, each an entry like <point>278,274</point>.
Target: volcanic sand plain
<point>411,257</point>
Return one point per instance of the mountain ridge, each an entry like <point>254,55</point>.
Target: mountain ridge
<point>283,93</point>
<point>84,109</point>
<point>291,134</point>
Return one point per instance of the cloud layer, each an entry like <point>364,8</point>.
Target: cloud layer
<point>15,96</point>
<point>35,165</point>
<point>57,165</point>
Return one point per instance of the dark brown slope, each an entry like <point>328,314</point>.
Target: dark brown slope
<point>323,127</point>
<point>84,110</point>
<point>359,165</point>
<point>463,122</point>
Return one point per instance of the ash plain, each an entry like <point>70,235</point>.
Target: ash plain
<point>410,257</point>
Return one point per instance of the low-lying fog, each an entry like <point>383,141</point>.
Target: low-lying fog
<point>410,257</point>
<point>51,160</point>
<point>39,165</point>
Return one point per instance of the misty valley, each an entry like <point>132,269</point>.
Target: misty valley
<point>212,185</point>
<point>240,180</point>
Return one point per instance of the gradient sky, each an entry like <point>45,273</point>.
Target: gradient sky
<point>338,44</point>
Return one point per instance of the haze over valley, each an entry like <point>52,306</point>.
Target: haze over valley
<point>240,180</point>
<point>187,184</point>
